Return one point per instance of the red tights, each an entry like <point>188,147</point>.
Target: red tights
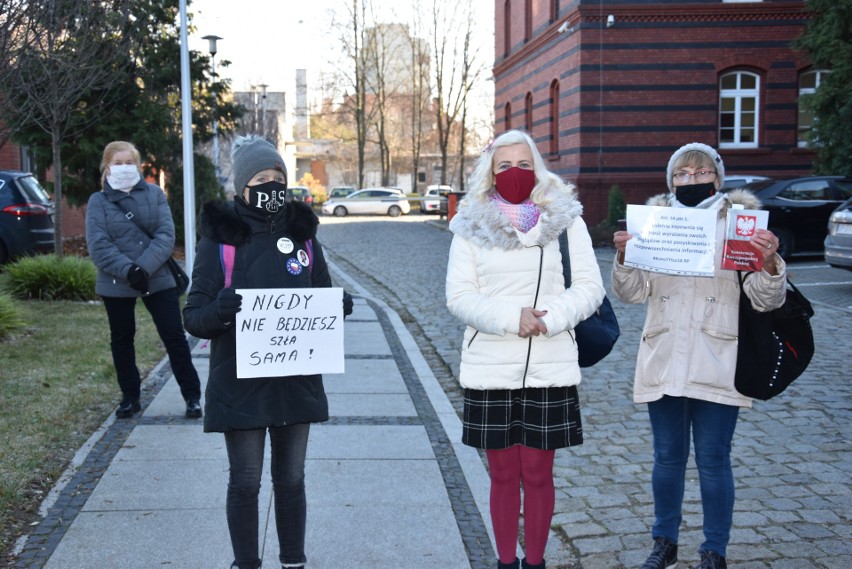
<point>509,468</point>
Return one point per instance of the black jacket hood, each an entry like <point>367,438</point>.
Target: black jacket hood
<point>221,223</point>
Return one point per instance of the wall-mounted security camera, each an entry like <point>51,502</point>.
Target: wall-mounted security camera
<point>610,21</point>
<point>563,27</point>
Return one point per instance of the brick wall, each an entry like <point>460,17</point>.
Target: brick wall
<point>632,93</point>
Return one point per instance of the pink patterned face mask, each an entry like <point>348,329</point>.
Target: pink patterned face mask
<point>515,184</point>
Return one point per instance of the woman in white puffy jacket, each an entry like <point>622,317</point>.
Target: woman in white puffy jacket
<point>519,365</point>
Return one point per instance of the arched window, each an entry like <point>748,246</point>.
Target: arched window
<point>554,117</point>
<point>528,119</point>
<point>527,20</point>
<point>507,117</point>
<point>809,82</point>
<point>507,28</point>
<point>739,110</point>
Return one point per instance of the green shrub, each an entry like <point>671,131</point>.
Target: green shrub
<point>10,316</point>
<point>616,208</point>
<point>49,277</point>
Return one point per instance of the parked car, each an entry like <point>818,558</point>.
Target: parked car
<point>838,242</point>
<point>369,200</point>
<point>434,205</point>
<point>341,191</point>
<point>301,194</point>
<point>799,209</point>
<point>26,216</point>
<point>739,180</point>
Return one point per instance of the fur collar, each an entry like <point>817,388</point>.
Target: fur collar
<point>744,197</point>
<point>221,223</point>
<point>484,225</point>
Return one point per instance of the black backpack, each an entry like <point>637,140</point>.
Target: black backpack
<point>775,347</point>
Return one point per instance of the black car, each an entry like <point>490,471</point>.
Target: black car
<point>301,194</point>
<point>799,209</point>
<point>26,216</point>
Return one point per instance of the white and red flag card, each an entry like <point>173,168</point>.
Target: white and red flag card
<point>738,254</point>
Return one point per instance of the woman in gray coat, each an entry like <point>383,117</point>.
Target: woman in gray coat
<point>131,265</point>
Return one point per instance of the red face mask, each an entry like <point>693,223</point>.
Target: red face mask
<point>515,184</point>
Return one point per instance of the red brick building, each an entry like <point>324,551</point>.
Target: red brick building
<point>609,89</point>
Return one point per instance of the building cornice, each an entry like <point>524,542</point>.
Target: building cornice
<point>591,17</point>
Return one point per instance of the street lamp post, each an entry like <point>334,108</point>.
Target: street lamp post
<point>212,49</point>
<point>263,87</point>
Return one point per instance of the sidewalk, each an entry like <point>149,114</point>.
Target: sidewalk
<point>388,482</point>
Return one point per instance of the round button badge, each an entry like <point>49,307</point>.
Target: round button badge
<point>285,245</point>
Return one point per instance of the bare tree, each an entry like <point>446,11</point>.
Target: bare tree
<point>472,70</point>
<point>57,64</point>
<point>419,92</point>
<point>450,45</point>
<point>352,33</point>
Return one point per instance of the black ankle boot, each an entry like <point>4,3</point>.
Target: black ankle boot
<point>516,564</point>
<point>526,565</point>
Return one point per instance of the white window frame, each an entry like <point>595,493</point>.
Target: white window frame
<point>739,94</point>
<point>820,73</point>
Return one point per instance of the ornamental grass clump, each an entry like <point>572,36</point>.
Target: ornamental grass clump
<point>10,316</point>
<point>49,277</point>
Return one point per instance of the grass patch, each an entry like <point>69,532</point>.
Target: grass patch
<point>57,385</point>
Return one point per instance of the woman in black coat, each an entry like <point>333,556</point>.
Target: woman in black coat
<point>267,233</point>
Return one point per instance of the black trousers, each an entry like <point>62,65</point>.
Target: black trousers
<point>165,311</point>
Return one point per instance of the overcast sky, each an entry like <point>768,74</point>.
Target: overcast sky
<point>267,40</point>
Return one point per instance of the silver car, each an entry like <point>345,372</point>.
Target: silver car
<point>369,200</point>
<point>838,242</point>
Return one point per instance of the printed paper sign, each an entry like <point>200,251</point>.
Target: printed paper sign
<point>678,241</point>
<point>738,254</point>
<point>283,332</point>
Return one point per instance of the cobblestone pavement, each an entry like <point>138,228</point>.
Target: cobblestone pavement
<point>792,455</point>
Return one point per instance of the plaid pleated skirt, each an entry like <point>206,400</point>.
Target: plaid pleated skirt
<point>543,418</point>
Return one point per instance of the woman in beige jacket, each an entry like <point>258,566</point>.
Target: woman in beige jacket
<point>688,355</point>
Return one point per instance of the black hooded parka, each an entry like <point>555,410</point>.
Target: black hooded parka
<point>260,261</point>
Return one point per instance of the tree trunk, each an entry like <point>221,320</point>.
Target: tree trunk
<point>57,193</point>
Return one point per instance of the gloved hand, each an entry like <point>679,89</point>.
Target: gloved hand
<point>138,278</point>
<point>347,304</point>
<point>228,304</point>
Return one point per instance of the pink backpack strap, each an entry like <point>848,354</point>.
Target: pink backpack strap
<point>226,257</point>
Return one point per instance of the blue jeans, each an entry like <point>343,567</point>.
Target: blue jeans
<point>712,426</point>
<point>245,455</point>
<point>164,308</point>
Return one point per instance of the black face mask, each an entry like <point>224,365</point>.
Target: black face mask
<point>694,194</point>
<point>268,197</point>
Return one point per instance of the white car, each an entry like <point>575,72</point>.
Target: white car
<point>838,242</point>
<point>439,193</point>
<point>734,181</point>
<point>369,200</point>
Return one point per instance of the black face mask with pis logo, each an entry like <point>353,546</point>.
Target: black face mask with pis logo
<point>269,196</point>
<point>694,194</point>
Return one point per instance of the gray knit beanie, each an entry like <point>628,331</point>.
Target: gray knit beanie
<point>715,159</point>
<point>250,155</point>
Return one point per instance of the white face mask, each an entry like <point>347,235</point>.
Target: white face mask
<point>123,176</point>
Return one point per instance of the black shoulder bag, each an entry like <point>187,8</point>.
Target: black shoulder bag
<point>180,276</point>
<point>775,347</point>
<point>597,334</point>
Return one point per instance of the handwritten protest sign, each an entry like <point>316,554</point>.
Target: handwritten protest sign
<point>678,241</point>
<point>737,251</point>
<point>283,331</point>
